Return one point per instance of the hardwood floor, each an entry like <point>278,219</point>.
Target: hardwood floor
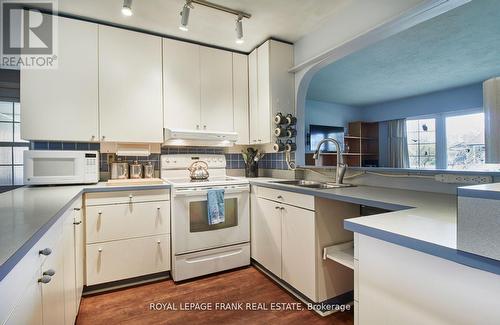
<point>248,285</point>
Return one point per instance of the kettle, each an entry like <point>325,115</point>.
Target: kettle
<point>198,170</point>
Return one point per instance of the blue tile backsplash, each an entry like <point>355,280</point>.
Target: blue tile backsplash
<point>234,160</point>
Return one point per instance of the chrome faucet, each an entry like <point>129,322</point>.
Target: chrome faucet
<point>341,166</point>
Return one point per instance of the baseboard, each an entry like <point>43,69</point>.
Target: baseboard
<point>127,283</point>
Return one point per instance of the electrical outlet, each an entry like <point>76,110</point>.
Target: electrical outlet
<point>463,179</point>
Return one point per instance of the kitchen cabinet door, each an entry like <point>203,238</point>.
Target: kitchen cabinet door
<point>62,103</point>
<point>29,309</point>
<point>240,98</point>
<point>298,251</point>
<point>216,71</point>
<point>264,93</point>
<point>181,85</point>
<point>253,98</point>
<point>79,254</point>
<point>130,86</point>
<point>266,234</point>
<point>70,295</point>
<point>53,292</point>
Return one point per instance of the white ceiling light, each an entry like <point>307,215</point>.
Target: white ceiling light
<point>239,30</point>
<point>185,16</point>
<point>127,8</point>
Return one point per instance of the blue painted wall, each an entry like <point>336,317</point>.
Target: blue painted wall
<point>455,99</point>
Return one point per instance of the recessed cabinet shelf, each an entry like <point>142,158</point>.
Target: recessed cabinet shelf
<point>341,253</point>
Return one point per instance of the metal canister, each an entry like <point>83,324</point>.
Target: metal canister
<point>119,170</point>
<point>149,170</point>
<point>135,170</point>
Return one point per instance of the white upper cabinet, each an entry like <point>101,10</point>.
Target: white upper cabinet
<point>271,87</point>
<point>62,104</point>
<point>216,89</point>
<point>240,98</point>
<point>198,87</point>
<point>130,86</point>
<point>253,100</point>
<point>181,80</point>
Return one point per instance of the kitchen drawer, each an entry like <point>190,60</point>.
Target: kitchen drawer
<point>210,261</point>
<point>123,259</point>
<point>101,198</point>
<point>121,221</point>
<point>291,198</point>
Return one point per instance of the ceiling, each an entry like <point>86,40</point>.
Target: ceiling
<point>287,20</point>
<point>458,48</point>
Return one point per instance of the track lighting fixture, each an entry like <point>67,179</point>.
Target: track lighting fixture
<point>239,30</point>
<point>185,16</point>
<point>127,8</point>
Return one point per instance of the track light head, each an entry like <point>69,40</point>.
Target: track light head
<point>239,30</point>
<point>185,16</point>
<point>127,8</point>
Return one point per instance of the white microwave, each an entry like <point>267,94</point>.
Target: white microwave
<point>48,167</point>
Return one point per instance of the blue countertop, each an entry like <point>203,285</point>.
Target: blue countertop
<point>26,213</point>
<point>422,221</point>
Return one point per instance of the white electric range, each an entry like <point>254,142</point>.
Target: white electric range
<point>197,247</point>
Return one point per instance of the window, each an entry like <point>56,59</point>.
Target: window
<point>422,142</point>
<point>11,145</point>
<point>465,147</point>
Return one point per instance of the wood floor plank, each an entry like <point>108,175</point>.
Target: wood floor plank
<point>247,285</point>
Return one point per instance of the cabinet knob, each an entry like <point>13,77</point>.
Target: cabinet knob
<point>158,242</point>
<point>99,250</point>
<point>99,213</point>
<point>204,127</point>
<point>277,208</point>
<point>282,208</point>
<point>77,222</point>
<point>46,251</point>
<point>197,126</point>
<point>103,137</point>
<point>280,197</point>
<point>131,196</point>
<point>92,137</point>
<point>49,272</point>
<point>45,279</point>
<point>77,209</point>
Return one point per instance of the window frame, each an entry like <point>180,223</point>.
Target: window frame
<point>426,117</point>
<point>12,144</point>
<point>441,141</point>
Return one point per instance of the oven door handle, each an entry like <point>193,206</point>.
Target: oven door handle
<point>180,193</point>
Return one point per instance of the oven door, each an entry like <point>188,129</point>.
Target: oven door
<point>190,229</point>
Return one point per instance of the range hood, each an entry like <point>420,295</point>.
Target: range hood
<point>180,137</point>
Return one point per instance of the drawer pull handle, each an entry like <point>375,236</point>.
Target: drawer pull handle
<point>99,250</point>
<point>158,242</point>
<point>77,209</point>
<point>282,208</point>
<point>45,279</point>
<point>277,208</point>
<point>46,251</point>
<point>49,272</point>
<point>131,196</point>
<point>280,197</point>
<point>77,223</point>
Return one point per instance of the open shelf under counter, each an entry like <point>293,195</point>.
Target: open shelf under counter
<point>341,253</point>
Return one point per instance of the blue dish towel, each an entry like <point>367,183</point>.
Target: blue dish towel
<point>215,206</point>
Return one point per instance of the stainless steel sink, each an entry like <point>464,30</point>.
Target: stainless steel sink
<point>312,184</point>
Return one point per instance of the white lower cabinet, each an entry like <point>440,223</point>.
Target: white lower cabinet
<point>288,240</point>
<point>29,309</point>
<point>128,258</point>
<point>127,235</point>
<point>266,234</point>
<point>298,251</point>
<point>43,287</point>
